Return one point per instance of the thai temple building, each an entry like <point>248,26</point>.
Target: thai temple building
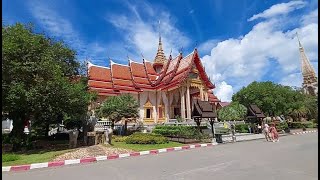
<point>164,87</point>
<point>310,80</point>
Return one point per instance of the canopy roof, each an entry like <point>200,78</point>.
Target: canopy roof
<point>203,109</point>
<point>255,112</point>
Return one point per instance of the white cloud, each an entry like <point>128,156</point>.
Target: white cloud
<point>293,79</point>
<point>279,9</point>
<point>208,45</point>
<point>142,35</point>
<point>239,61</point>
<point>310,18</point>
<point>224,91</point>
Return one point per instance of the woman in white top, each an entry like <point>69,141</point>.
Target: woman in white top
<point>266,132</point>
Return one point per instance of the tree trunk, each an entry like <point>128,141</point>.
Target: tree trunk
<point>85,134</point>
<point>125,127</point>
<point>17,133</point>
<point>112,125</point>
<point>47,131</point>
<point>212,130</point>
<point>198,121</point>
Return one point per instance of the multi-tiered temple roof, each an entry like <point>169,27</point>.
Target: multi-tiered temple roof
<point>162,74</point>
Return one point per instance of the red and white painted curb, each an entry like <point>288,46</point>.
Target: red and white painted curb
<point>101,158</point>
<point>304,132</point>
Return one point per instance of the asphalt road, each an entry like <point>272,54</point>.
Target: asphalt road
<point>294,157</point>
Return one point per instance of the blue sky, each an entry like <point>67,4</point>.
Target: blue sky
<point>239,41</point>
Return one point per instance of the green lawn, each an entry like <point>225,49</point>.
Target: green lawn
<point>30,158</point>
<point>144,147</point>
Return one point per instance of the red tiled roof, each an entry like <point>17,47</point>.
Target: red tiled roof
<point>149,68</point>
<point>223,104</point>
<point>120,82</point>
<point>138,70</point>
<point>136,76</point>
<point>139,80</point>
<point>120,72</point>
<point>99,73</point>
<point>100,84</point>
<point>212,98</point>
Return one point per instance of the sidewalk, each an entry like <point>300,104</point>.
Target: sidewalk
<point>248,136</point>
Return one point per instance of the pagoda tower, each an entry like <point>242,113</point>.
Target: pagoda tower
<point>310,80</point>
<point>160,58</point>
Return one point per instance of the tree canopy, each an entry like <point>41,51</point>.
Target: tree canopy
<point>275,99</point>
<point>36,79</point>
<point>115,108</point>
<point>234,111</point>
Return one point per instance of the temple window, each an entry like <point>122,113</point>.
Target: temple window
<point>148,113</point>
<point>148,110</point>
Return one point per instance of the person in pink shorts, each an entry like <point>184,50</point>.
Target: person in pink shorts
<point>274,133</point>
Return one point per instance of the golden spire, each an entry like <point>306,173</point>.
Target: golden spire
<point>160,57</point>
<point>310,81</point>
<point>306,67</point>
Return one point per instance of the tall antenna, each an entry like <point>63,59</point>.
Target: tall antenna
<point>87,66</point>
<point>181,49</point>
<point>300,46</point>
<point>142,55</point>
<point>159,32</point>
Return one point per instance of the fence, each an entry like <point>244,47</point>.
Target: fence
<point>7,126</point>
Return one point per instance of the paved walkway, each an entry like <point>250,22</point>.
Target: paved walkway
<point>241,161</point>
<point>248,136</point>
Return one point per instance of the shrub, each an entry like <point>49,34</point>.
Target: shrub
<point>242,128</point>
<point>146,138</point>
<point>282,126</point>
<point>10,157</point>
<point>119,138</point>
<point>298,125</point>
<point>177,131</point>
<point>6,139</point>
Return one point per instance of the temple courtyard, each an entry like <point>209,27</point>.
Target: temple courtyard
<point>294,157</point>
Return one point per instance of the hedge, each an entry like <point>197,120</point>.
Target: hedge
<point>298,125</point>
<point>242,128</point>
<point>177,131</point>
<point>282,126</point>
<point>146,138</point>
<point>119,138</point>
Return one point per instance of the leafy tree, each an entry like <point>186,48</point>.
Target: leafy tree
<point>235,111</point>
<point>36,85</point>
<point>275,99</point>
<point>115,108</point>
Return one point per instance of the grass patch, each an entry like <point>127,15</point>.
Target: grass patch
<point>145,147</point>
<point>9,159</point>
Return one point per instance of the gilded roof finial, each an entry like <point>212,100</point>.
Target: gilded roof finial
<point>160,57</point>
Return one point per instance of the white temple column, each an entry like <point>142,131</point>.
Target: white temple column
<point>183,109</point>
<point>188,103</point>
<point>206,95</point>
<point>201,94</point>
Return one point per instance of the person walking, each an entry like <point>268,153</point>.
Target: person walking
<point>274,133</point>
<point>266,132</point>
<point>249,128</point>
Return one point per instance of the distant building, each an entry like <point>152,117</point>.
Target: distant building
<point>310,80</point>
<point>164,88</point>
